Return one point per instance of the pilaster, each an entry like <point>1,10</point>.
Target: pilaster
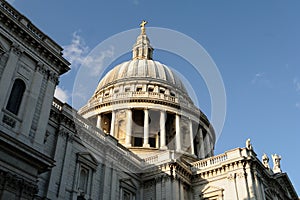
<point>32,100</point>
<point>8,72</point>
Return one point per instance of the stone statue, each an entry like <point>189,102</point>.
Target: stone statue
<point>265,160</point>
<point>276,163</point>
<point>142,25</point>
<point>248,144</point>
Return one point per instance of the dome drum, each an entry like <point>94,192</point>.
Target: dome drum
<point>141,128</point>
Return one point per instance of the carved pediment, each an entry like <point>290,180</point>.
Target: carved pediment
<point>88,159</point>
<point>128,184</point>
<point>212,191</point>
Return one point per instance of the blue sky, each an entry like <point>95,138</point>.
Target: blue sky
<point>255,45</point>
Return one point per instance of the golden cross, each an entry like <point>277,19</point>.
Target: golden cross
<point>143,24</point>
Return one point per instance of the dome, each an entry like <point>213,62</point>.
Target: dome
<point>141,69</point>
<point>145,106</point>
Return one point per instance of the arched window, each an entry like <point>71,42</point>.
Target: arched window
<point>16,96</point>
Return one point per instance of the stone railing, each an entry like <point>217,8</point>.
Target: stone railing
<point>167,155</point>
<point>160,157</point>
<point>129,96</point>
<point>57,104</point>
<point>139,94</point>
<point>220,159</point>
<point>206,163</point>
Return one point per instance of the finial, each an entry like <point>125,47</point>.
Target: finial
<point>142,25</point>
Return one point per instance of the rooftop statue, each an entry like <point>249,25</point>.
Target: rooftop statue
<point>276,163</point>
<point>265,160</point>
<point>248,144</point>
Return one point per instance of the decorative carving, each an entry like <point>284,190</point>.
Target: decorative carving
<point>53,77</point>
<point>241,175</point>
<point>63,133</point>
<point>276,163</point>
<point>16,49</point>
<point>9,121</point>
<point>17,184</point>
<point>231,176</point>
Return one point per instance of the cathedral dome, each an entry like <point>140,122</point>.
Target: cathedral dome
<point>145,106</point>
<point>141,69</point>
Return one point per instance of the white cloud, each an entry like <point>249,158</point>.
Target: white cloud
<point>257,77</point>
<point>95,62</point>
<point>76,51</point>
<point>297,84</point>
<point>261,79</point>
<point>61,94</point>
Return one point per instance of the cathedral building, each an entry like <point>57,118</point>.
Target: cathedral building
<point>139,137</point>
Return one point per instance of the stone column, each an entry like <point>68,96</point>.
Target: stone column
<point>181,187</point>
<point>178,133</point>
<point>98,125</point>
<point>258,189</point>
<point>168,188</point>
<point>158,192</point>
<point>146,128</point>
<point>107,179</point>
<point>66,164</point>
<point>128,128</point>
<point>207,144</point>
<point>191,137</point>
<point>232,186</point>
<point>45,110</point>
<point>112,123</point>
<point>61,156</point>
<point>201,140</point>
<point>242,186</point>
<point>249,181</point>
<point>162,123</point>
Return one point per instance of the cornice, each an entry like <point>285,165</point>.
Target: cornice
<point>26,33</point>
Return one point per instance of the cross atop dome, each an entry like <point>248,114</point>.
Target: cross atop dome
<point>142,48</point>
<point>142,25</point>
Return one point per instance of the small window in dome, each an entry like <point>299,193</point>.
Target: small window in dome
<point>139,89</point>
<point>106,93</point>
<point>127,89</point>
<point>116,91</point>
<point>172,94</point>
<point>162,90</point>
<point>150,89</point>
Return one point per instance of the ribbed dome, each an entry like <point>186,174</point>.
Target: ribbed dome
<point>138,69</point>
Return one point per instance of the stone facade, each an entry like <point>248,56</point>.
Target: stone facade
<point>133,140</point>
